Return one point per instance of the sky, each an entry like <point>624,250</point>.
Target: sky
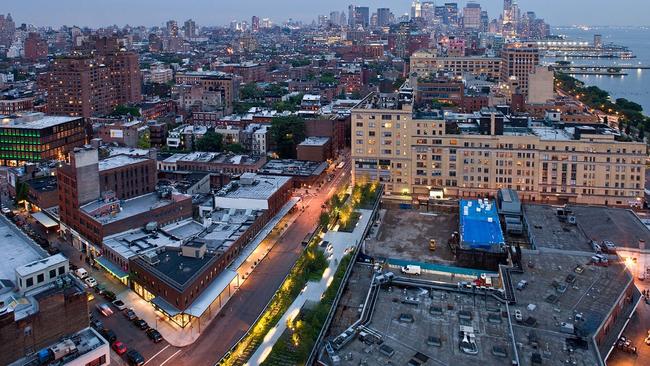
<point>96,13</point>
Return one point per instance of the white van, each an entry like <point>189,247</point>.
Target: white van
<point>81,273</point>
<point>411,269</point>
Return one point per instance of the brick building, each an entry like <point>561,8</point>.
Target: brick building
<point>35,47</point>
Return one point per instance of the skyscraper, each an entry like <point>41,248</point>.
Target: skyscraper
<point>518,60</point>
<point>189,28</point>
<point>452,13</point>
<point>472,16</point>
<point>428,10</point>
<point>7,30</point>
<point>255,23</point>
<point>352,16</point>
<point>383,17</point>
<point>416,9</point>
<point>363,15</point>
<point>172,28</point>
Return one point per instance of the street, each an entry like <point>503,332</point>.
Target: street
<point>247,304</point>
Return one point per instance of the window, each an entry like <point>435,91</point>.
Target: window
<point>29,282</point>
<point>52,273</point>
<point>101,360</point>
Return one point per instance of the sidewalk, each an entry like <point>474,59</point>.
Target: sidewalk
<point>341,243</point>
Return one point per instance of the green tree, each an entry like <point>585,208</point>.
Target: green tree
<point>123,110</point>
<point>144,142</point>
<point>21,192</point>
<point>210,142</point>
<point>235,148</point>
<point>324,219</point>
<point>287,133</point>
<point>250,92</point>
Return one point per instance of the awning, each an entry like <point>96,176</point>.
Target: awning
<point>45,220</point>
<point>164,306</point>
<point>211,293</point>
<point>112,268</point>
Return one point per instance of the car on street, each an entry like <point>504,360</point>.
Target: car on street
<point>109,295</point>
<point>109,335</point>
<point>130,314</point>
<point>97,324</point>
<point>104,309</point>
<point>154,335</point>
<point>135,358</point>
<point>141,324</point>
<point>119,348</point>
<point>119,304</point>
<point>100,289</point>
<point>91,282</point>
<point>5,210</point>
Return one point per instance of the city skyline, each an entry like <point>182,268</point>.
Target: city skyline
<point>148,13</point>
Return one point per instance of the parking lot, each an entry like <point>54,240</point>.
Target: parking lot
<point>405,234</point>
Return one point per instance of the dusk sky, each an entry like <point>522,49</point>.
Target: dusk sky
<point>219,12</point>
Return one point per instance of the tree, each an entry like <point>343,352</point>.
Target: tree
<point>324,219</point>
<point>123,110</point>
<point>144,142</point>
<point>641,134</point>
<point>21,192</point>
<point>287,133</point>
<point>210,142</point>
<point>250,92</point>
<point>235,148</point>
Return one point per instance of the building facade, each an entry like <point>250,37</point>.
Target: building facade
<point>416,154</point>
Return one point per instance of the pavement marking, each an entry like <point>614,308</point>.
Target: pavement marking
<point>159,352</point>
<point>170,357</point>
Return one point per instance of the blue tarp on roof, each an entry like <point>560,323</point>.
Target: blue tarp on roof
<point>479,225</point>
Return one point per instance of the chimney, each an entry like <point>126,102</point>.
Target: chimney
<point>641,244</point>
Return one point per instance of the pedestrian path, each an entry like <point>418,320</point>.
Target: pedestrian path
<point>342,243</point>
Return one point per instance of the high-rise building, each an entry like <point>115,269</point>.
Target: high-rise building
<point>383,17</point>
<point>428,11</point>
<point>352,16</point>
<point>172,28</point>
<point>416,9</point>
<point>452,13</point>
<point>93,84</point>
<point>485,21</point>
<point>518,60</point>
<point>7,30</point>
<point>189,28</point>
<point>255,23</point>
<point>598,40</point>
<point>35,47</point>
<point>363,16</point>
<point>472,16</point>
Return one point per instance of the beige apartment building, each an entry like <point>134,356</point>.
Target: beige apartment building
<point>414,153</point>
<point>425,63</point>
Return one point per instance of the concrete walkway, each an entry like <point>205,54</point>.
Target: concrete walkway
<point>341,243</point>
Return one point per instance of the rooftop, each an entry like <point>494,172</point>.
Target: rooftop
<point>253,186</point>
<point>131,207</point>
<point>289,167</point>
<point>315,141</point>
<point>85,341</point>
<point>175,268</point>
<point>479,225</point>
<point>18,249</point>
<point>43,184</point>
<point>548,230</point>
<point>34,121</point>
<point>133,242</point>
<point>118,161</point>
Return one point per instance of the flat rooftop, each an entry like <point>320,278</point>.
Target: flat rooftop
<point>557,292</point>
<point>383,101</point>
<point>315,141</point>
<point>218,158</point>
<point>227,226</point>
<point>620,226</point>
<point>132,207</point>
<point>43,184</point>
<point>261,187</point>
<point>18,249</point>
<point>177,269</point>
<point>34,121</point>
<point>134,242</point>
<point>119,161</point>
<point>293,168</point>
<point>479,225</point>
<point>85,341</point>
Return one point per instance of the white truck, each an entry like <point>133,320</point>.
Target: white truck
<point>411,269</point>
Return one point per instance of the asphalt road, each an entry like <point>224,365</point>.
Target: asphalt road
<point>246,305</point>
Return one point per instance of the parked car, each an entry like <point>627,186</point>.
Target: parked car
<point>90,281</point>
<point>119,348</point>
<point>141,324</point>
<point>100,289</point>
<point>411,269</point>
<point>154,335</point>
<point>81,273</point>
<point>104,309</point>
<point>130,314</point>
<point>109,335</point>
<point>119,304</point>
<point>109,295</point>
<point>97,324</point>
<point>135,358</point>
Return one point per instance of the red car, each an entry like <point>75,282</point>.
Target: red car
<point>119,347</point>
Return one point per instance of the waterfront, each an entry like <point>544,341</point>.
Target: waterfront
<point>633,86</point>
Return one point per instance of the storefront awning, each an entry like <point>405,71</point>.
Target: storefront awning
<point>164,306</point>
<point>210,294</point>
<point>44,220</point>
<point>112,268</point>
